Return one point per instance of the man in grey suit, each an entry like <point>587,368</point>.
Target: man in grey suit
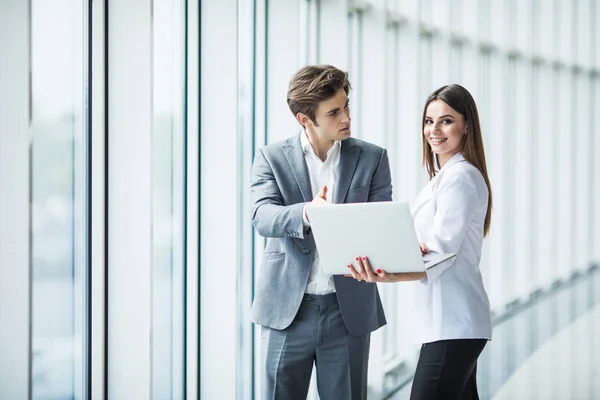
<point>307,316</point>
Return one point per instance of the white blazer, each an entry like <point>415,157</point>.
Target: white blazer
<point>449,213</point>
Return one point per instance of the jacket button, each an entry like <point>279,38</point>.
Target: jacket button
<point>306,251</point>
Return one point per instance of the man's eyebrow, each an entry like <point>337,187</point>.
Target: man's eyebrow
<point>337,108</point>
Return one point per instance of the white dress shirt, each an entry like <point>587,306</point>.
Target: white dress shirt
<point>449,213</point>
<point>321,174</point>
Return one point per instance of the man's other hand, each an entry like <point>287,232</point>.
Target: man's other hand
<point>320,198</point>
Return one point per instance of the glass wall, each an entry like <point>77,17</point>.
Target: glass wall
<point>59,198</point>
<point>147,166</point>
<point>397,52</point>
<point>139,249</point>
<point>168,173</point>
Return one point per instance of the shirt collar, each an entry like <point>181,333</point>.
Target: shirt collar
<point>455,158</point>
<point>306,146</point>
<point>304,141</point>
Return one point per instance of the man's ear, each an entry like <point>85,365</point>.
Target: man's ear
<point>302,119</point>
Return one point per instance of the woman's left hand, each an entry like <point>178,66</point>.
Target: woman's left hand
<point>364,272</point>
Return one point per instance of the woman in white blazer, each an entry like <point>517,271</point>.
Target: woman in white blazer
<point>452,215</point>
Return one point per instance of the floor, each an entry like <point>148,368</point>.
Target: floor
<point>548,349</point>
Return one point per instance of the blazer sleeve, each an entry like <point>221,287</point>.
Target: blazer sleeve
<point>269,216</point>
<point>456,201</point>
<point>381,182</point>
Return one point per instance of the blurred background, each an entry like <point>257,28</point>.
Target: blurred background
<point>127,134</point>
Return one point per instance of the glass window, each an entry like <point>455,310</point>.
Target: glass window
<point>440,57</point>
<point>510,76</point>
<point>545,14</point>
<point>565,174</point>
<point>355,57</point>
<point>498,34</point>
<point>168,139</point>
<point>437,13</point>
<point>583,45</point>
<point>470,69</point>
<point>410,9</point>
<point>59,198</point>
<point>283,58</point>
<point>425,67</point>
<point>219,195</point>
<point>483,21</point>
<point>469,9</point>
<point>496,150</point>
<point>523,24</point>
<point>546,173</point>
<point>483,106</point>
<point>523,240</point>
<point>405,159</point>
<point>564,43</point>
<point>555,170</point>
<point>333,33</point>
<point>595,148</point>
<point>456,62</point>
<point>594,36</point>
<point>580,178</point>
<point>246,53</point>
<point>408,174</point>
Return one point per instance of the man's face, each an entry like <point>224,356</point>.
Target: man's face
<point>333,118</point>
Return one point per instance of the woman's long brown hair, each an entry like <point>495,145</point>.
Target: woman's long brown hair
<point>472,149</point>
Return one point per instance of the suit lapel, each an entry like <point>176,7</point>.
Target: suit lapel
<point>349,154</point>
<point>295,157</point>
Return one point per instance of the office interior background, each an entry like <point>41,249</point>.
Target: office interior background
<point>127,134</point>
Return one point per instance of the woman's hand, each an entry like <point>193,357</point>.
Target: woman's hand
<point>424,249</point>
<point>364,272</point>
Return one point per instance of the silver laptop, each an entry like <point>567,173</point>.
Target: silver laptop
<point>383,231</point>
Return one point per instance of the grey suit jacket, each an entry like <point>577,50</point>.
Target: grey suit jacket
<point>280,188</point>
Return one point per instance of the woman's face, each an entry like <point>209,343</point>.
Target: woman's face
<point>444,128</point>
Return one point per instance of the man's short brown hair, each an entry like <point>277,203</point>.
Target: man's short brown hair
<point>313,84</point>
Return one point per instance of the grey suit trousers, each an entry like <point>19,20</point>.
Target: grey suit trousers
<point>317,336</point>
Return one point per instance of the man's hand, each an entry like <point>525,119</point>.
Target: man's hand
<point>320,198</point>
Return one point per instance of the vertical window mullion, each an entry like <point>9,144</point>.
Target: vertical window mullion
<point>98,205</point>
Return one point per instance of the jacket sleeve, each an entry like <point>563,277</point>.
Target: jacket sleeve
<point>456,201</point>
<point>381,182</point>
<point>269,216</point>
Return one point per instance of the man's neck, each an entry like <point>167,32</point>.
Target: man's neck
<point>319,147</point>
